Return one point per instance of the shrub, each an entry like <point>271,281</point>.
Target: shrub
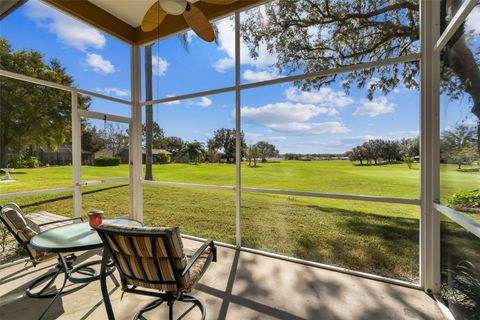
<point>107,161</point>
<point>162,158</point>
<point>32,162</point>
<point>466,200</point>
<point>18,162</point>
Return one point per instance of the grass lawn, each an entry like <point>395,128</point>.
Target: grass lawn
<point>371,237</point>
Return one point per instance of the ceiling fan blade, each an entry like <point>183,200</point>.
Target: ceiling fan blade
<point>153,18</point>
<point>219,1</point>
<point>199,23</point>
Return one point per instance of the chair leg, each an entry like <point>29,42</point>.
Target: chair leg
<point>155,303</point>
<point>170,310</point>
<point>152,305</point>
<point>197,302</point>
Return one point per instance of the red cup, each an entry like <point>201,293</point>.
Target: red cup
<point>95,218</point>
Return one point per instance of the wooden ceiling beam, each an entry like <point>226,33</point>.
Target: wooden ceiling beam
<point>8,6</point>
<point>105,21</point>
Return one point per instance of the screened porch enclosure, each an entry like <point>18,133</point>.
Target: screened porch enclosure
<point>402,234</point>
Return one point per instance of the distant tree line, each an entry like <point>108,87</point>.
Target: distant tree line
<point>313,156</point>
<point>378,150</point>
<point>457,145</point>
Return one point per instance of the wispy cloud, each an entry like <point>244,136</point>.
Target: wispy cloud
<point>289,117</point>
<point>159,66</point>
<point>115,91</point>
<point>325,97</point>
<point>99,64</point>
<point>226,39</point>
<point>255,76</point>
<point>254,137</point>
<point>68,30</point>
<point>297,114</point>
<point>375,107</point>
<point>174,102</point>
<point>204,102</point>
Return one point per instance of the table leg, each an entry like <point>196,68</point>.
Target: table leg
<point>61,258</point>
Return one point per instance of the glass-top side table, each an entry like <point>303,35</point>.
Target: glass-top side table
<point>72,238</point>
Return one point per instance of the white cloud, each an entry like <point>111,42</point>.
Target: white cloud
<point>375,107</point>
<point>223,64</point>
<point>314,128</point>
<point>292,118</point>
<point>226,39</point>
<point>99,64</point>
<point>340,145</point>
<point>470,122</point>
<point>254,137</point>
<point>174,102</point>
<point>403,134</point>
<point>204,102</point>
<point>255,76</point>
<point>281,113</point>
<point>296,115</point>
<point>115,91</point>
<point>326,97</point>
<point>67,29</point>
<point>159,66</point>
<point>473,21</point>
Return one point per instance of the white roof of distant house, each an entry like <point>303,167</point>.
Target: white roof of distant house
<point>156,151</point>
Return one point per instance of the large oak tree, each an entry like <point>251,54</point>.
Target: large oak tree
<point>315,35</point>
<point>33,115</point>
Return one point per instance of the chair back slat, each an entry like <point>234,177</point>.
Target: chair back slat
<point>147,257</point>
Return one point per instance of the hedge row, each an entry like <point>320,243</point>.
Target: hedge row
<point>107,161</point>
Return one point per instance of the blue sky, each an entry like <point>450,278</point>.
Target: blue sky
<point>322,121</point>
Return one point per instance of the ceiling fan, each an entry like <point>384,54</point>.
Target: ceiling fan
<point>192,14</point>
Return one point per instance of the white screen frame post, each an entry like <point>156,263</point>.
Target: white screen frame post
<point>135,135</point>
<point>429,146</point>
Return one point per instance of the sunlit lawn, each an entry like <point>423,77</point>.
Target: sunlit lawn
<point>371,237</point>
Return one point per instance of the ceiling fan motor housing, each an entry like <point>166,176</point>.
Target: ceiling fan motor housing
<point>174,7</point>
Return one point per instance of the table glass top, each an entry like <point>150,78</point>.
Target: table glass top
<point>73,237</point>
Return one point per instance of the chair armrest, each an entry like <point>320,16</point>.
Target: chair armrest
<point>191,261</point>
<point>60,221</point>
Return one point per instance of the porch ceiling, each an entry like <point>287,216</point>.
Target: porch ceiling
<point>122,19</point>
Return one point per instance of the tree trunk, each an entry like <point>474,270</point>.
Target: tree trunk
<point>461,60</point>
<point>148,114</point>
<point>3,156</point>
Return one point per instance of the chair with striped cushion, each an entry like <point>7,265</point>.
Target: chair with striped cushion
<point>23,228</point>
<point>154,259</point>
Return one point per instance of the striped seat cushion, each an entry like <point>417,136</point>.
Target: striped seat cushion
<point>145,258</point>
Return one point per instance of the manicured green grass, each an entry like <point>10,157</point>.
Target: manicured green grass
<point>322,176</point>
<point>371,237</point>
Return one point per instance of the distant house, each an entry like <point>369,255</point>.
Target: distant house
<point>61,156</point>
<point>123,154</point>
<point>105,152</point>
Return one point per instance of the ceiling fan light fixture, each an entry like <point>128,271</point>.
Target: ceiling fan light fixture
<point>173,7</point>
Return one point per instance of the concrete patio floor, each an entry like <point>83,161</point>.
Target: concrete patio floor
<point>240,285</point>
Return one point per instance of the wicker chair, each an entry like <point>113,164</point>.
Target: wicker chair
<point>23,228</point>
<point>154,259</point>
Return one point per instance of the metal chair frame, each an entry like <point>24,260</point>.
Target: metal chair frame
<point>167,296</point>
<point>49,277</point>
